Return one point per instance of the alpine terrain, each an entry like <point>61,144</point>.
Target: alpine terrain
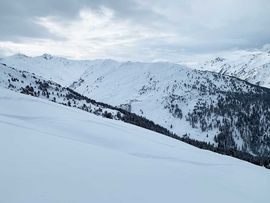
<point>134,101</point>
<point>252,66</point>
<point>229,115</point>
<point>53,153</point>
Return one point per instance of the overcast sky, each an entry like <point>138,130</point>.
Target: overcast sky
<point>132,29</point>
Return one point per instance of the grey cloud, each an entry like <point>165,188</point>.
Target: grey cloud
<point>219,24</point>
<point>17,17</point>
<point>209,25</point>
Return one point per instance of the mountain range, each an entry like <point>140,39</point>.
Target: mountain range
<point>252,66</point>
<point>223,111</point>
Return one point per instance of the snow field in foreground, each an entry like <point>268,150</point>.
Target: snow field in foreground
<point>52,153</point>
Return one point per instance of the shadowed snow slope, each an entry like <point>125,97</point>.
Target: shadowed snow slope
<point>52,153</point>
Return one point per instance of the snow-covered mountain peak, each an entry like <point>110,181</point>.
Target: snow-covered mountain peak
<point>19,56</point>
<point>252,66</point>
<point>47,56</point>
<point>61,70</point>
<point>218,59</point>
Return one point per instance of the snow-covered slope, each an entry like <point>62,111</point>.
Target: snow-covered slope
<point>253,67</point>
<point>34,85</point>
<point>52,153</point>
<point>201,105</point>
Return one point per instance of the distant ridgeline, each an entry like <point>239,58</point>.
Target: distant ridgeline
<point>247,113</point>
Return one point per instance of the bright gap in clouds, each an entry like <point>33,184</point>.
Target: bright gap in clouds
<point>95,34</point>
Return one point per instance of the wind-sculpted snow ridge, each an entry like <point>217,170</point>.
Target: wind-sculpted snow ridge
<point>52,153</point>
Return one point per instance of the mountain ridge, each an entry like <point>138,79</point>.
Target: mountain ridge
<point>253,67</point>
<point>200,105</point>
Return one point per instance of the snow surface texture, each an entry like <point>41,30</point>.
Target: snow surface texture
<point>52,153</point>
